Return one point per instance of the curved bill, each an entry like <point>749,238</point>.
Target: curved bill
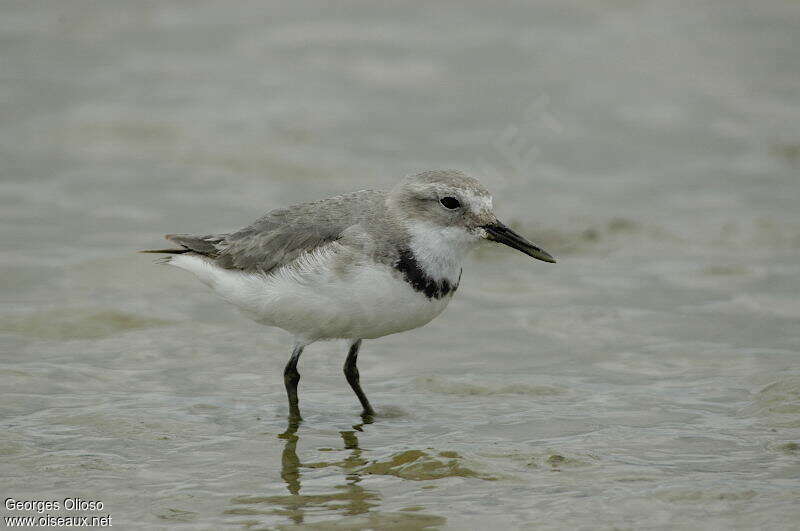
<point>497,232</point>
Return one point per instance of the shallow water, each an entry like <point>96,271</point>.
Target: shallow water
<point>649,379</point>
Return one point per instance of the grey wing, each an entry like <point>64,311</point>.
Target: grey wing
<point>266,246</point>
<point>282,235</point>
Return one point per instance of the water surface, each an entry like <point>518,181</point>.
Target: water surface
<point>649,379</point>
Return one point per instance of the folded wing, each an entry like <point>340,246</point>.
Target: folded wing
<point>281,236</point>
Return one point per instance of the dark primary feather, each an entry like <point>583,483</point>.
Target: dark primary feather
<point>166,251</point>
<point>205,245</point>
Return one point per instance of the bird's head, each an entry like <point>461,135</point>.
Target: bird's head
<point>452,206</point>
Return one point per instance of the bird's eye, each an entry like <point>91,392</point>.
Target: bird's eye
<point>450,202</point>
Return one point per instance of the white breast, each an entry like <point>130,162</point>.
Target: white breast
<point>328,293</point>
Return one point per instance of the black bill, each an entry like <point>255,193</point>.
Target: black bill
<point>497,232</point>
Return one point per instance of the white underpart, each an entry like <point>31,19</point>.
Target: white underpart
<point>325,294</point>
<point>440,251</point>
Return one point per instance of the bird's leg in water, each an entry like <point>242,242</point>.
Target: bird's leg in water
<point>291,378</point>
<point>351,373</point>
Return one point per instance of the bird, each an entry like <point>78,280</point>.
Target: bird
<point>356,266</point>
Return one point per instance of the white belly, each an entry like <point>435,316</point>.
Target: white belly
<point>317,298</point>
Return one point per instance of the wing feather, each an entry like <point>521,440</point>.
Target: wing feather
<point>281,236</point>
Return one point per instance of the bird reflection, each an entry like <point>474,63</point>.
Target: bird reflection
<point>290,463</point>
<point>348,497</point>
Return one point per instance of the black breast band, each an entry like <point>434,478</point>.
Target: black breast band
<point>419,280</point>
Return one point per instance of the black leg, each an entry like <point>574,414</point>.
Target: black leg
<point>291,378</point>
<point>351,373</point>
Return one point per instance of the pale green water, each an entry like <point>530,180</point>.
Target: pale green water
<point>650,379</point>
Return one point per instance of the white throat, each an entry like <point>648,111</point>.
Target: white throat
<point>440,251</point>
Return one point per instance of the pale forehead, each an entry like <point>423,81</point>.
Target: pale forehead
<point>478,202</point>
